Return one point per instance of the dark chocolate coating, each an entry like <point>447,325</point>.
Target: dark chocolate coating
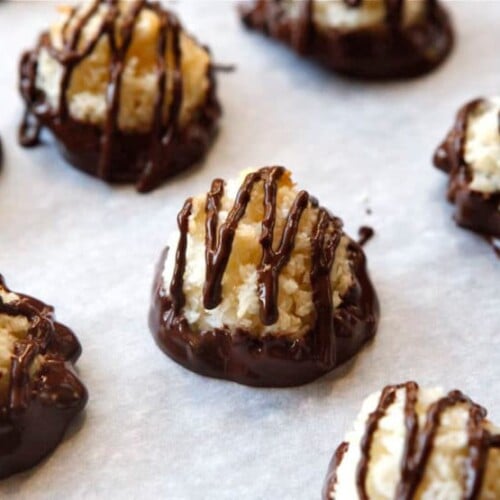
<point>382,52</point>
<point>105,151</point>
<point>474,210</point>
<point>38,409</point>
<point>419,443</point>
<point>273,360</point>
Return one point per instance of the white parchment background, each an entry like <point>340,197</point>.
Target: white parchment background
<point>155,430</point>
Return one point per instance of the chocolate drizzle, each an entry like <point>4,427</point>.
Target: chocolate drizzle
<point>331,479</point>
<point>152,156</point>
<point>176,286</point>
<point>273,261</point>
<point>386,400</point>
<point>219,242</point>
<point>474,210</point>
<point>419,443</point>
<point>366,233</point>
<point>391,50</point>
<point>411,440</point>
<point>277,360</point>
<point>325,240</point>
<point>39,405</point>
<point>163,137</point>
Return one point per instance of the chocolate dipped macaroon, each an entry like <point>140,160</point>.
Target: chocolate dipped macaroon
<point>261,285</point>
<point>470,155</point>
<point>128,95</point>
<point>361,38</point>
<point>40,393</point>
<point>413,443</point>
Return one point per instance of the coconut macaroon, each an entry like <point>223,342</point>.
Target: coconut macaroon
<point>260,285</point>
<point>470,155</point>
<point>127,93</point>
<point>362,38</point>
<point>417,443</point>
<point>40,393</point>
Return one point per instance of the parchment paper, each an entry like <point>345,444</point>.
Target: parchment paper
<point>155,430</point>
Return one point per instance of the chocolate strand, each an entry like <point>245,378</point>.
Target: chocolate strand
<point>177,284</point>
<point>30,127</point>
<point>71,16</point>
<point>156,142</point>
<point>212,208</point>
<point>303,31</point>
<point>414,462</point>
<point>216,266</point>
<point>386,400</point>
<point>113,93</point>
<point>69,46</point>
<point>325,241</point>
<point>411,440</point>
<point>19,391</point>
<point>269,272</point>
<point>272,262</point>
<point>475,464</point>
<point>163,137</point>
<point>337,458</point>
<point>428,437</point>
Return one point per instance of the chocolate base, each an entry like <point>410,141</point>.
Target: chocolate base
<point>382,52</point>
<point>81,143</point>
<point>272,360</point>
<point>39,408</point>
<point>474,210</point>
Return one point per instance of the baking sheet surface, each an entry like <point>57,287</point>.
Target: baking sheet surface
<point>155,430</point>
